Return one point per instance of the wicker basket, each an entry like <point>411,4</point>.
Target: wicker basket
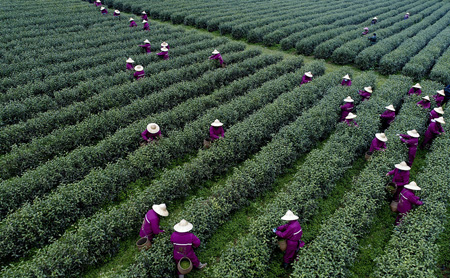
<point>282,244</point>
<point>143,244</point>
<point>184,270</point>
<point>394,206</point>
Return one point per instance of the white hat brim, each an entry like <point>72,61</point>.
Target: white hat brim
<point>415,135</point>
<point>439,110</point>
<point>215,52</point>
<point>130,61</point>
<point>159,211</point>
<point>153,131</point>
<point>441,92</point>
<point>413,187</point>
<point>378,136</point>
<point>401,167</point>
<point>290,217</point>
<point>138,68</point>
<point>390,108</point>
<point>183,229</point>
<point>440,120</point>
<point>308,74</point>
<point>368,89</point>
<point>217,124</point>
<point>417,86</point>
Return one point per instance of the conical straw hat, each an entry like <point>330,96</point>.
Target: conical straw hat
<point>138,68</point>
<point>440,120</point>
<point>144,21</point>
<point>144,12</point>
<point>403,166</point>
<point>309,74</point>
<point>153,128</point>
<point>183,226</point>
<point>368,89</point>
<point>164,49</point>
<point>439,110</point>
<point>146,41</point>
<point>131,19</point>
<point>375,18</point>
<point>161,209</point>
<point>117,11</point>
<point>289,216</point>
<point>417,86</point>
<point>350,116</point>
<point>413,133</point>
<point>441,92</point>
<point>381,136</point>
<point>348,99</point>
<point>217,123</point>
<point>346,77</point>
<point>164,44</point>
<point>426,97</point>
<point>129,60</point>
<point>102,8</point>
<point>215,51</point>
<point>412,186</point>
<point>390,107</point>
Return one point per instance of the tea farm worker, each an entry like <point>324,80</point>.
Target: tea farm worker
<point>306,78</point>
<point>439,97</point>
<point>346,108</point>
<point>292,232</point>
<point>411,139</point>
<point>350,120</point>
<point>374,20</point>
<point>152,132</point>
<point>184,244</point>
<point>130,64</point>
<point>103,11</point>
<point>116,13</point>
<point>146,26</point>
<point>216,130</point>
<point>407,199</point>
<point>425,102</point>
<point>401,177</point>
<point>366,93</point>
<point>373,39</point>
<point>434,129</point>
<point>144,15</point>
<point>132,22</point>
<point>406,16</point>
<point>164,44</point>
<point>147,46</point>
<point>164,53</point>
<point>388,116</point>
<point>150,225</point>
<point>415,90</point>
<point>216,56</point>
<point>379,142</point>
<point>139,72</point>
<point>366,31</point>
<point>436,113</point>
<point>346,81</point>
<point>98,3</point>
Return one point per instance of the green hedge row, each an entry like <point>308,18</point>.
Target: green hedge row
<point>371,56</point>
<point>102,77</point>
<point>250,180</point>
<point>421,64</point>
<point>326,49</point>
<point>348,52</point>
<point>441,71</point>
<point>315,179</point>
<point>41,149</point>
<point>77,164</point>
<point>395,60</point>
<point>46,122</point>
<point>337,242</point>
<point>412,250</point>
<point>174,183</point>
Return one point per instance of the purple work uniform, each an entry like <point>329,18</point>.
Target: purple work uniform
<point>439,99</point>
<point>433,115</point>
<point>217,57</point>
<point>183,246</point>
<point>350,122</point>
<point>148,136</point>
<point>365,95</point>
<point>104,12</point>
<point>216,132</point>
<point>425,104</point>
<point>434,129</point>
<point>139,74</point>
<point>345,110</point>
<point>414,91</point>
<point>146,26</point>
<point>133,24</point>
<point>144,17</point>
<point>147,47</point>
<point>347,82</point>
<point>150,226</point>
<point>305,79</point>
<point>292,232</point>
<point>164,55</point>
<point>407,199</point>
<point>376,145</point>
<point>130,66</point>
<point>388,116</point>
<point>412,143</point>
<point>401,178</point>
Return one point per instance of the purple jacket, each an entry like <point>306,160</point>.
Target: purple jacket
<point>130,66</point>
<point>346,83</point>
<point>365,95</point>
<point>139,74</point>
<point>150,226</point>
<point>434,115</point>
<point>217,57</point>
<point>434,129</point>
<point>425,104</point>
<point>414,91</point>
<point>388,115</point>
<point>144,17</point>
<point>400,177</point>
<point>147,47</point>
<point>104,11</point>
<point>305,79</point>
<point>163,54</point>
<point>146,26</point>
<point>292,231</point>
<point>116,14</point>
<point>345,110</point>
<point>407,199</point>
<point>351,122</point>
<point>406,16</point>
<point>439,99</point>
<point>183,245</point>
<point>215,132</point>
<point>146,135</point>
<point>411,142</point>
<point>365,32</point>
<point>132,23</point>
<point>377,145</point>
<point>98,4</point>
